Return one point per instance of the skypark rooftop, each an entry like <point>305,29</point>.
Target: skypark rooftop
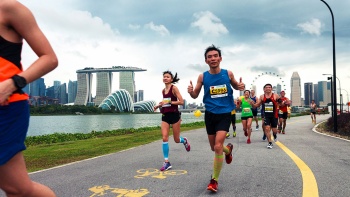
<point>112,69</point>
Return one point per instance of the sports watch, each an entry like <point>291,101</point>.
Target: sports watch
<point>20,82</point>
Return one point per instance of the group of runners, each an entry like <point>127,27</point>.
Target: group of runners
<point>220,113</point>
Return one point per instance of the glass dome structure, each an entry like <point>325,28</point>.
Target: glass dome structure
<point>119,100</point>
<point>144,106</point>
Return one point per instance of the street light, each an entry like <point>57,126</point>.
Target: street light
<point>332,101</point>
<point>334,70</point>
<point>341,96</point>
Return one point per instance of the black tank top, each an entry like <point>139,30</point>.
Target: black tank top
<point>11,51</point>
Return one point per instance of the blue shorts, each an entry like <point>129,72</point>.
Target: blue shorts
<point>14,122</point>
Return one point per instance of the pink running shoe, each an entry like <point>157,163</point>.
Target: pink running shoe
<point>187,144</point>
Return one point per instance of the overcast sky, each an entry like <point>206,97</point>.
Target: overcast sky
<point>277,36</point>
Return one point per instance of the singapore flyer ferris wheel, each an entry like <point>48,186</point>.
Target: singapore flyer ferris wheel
<point>274,79</point>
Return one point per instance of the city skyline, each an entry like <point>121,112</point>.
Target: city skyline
<point>320,91</point>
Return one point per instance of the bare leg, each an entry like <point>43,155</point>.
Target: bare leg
<point>16,182</point>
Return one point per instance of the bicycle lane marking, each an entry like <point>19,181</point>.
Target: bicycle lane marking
<point>310,188</point>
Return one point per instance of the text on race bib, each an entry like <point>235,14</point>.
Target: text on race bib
<point>218,91</point>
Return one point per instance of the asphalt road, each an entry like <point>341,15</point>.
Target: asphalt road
<point>302,163</point>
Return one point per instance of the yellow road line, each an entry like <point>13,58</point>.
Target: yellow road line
<point>310,188</point>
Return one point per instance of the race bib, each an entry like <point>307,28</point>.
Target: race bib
<point>280,112</point>
<point>269,107</point>
<point>166,102</point>
<point>218,91</point>
<point>246,110</point>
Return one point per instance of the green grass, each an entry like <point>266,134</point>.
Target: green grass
<point>51,154</point>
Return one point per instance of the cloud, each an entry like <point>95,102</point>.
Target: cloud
<point>209,24</point>
<point>272,36</point>
<point>268,70</point>
<point>312,27</point>
<point>160,29</point>
<point>134,27</point>
<point>198,67</point>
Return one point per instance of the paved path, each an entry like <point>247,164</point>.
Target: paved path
<point>302,163</point>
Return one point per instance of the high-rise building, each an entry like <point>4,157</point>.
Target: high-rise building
<point>322,93</point>
<point>315,95</point>
<point>278,88</point>
<point>72,91</point>
<point>127,82</point>
<point>84,89</point>
<point>57,85</point>
<point>50,92</point>
<point>295,96</point>
<point>139,95</point>
<point>63,98</point>
<point>103,87</point>
<point>37,87</point>
<point>308,90</point>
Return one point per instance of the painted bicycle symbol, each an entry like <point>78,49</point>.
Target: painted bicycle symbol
<point>106,189</point>
<point>154,173</point>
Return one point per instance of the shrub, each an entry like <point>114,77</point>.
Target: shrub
<point>343,124</point>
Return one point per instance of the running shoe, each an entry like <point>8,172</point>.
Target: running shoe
<point>270,145</point>
<point>246,133</point>
<point>187,144</point>
<point>234,134</point>
<point>264,137</point>
<point>257,128</point>
<point>279,129</point>
<point>234,128</point>
<point>213,185</point>
<point>228,157</point>
<point>248,141</point>
<point>283,132</point>
<point>275,137</point>
<point>166,166</point>
<point>227,135</point>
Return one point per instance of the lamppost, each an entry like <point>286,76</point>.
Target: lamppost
<point>334,71</point>
<point>347,96</point>
<point>341,96</point>
<point>332,101</point>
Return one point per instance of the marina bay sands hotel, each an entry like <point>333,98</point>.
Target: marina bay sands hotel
<point>104,83</point>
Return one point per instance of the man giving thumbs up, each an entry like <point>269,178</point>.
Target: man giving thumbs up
<point>218,101</point>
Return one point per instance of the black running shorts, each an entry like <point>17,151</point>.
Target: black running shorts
<point>271,121</point>
<point>217,122</point>
<point>171,117</point>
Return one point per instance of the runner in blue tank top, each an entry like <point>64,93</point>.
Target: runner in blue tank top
<point>218,103</point>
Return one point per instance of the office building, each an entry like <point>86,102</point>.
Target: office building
<point>323,98</point>
<point>127,82</point>
<point>72,91</point>
<point>37,88</point>
<point>295,96</point>
<point>308,92</point>
<point>315,95</point>
<point>63,98</point>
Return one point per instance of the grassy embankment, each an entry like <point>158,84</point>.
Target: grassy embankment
<point>57,149</point>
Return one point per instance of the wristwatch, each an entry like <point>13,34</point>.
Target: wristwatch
<point>20,82</point>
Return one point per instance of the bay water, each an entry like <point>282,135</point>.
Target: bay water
<point>42,125</point>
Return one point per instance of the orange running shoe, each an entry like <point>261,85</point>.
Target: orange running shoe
<point>228,157</point>
<point>213,185</point>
